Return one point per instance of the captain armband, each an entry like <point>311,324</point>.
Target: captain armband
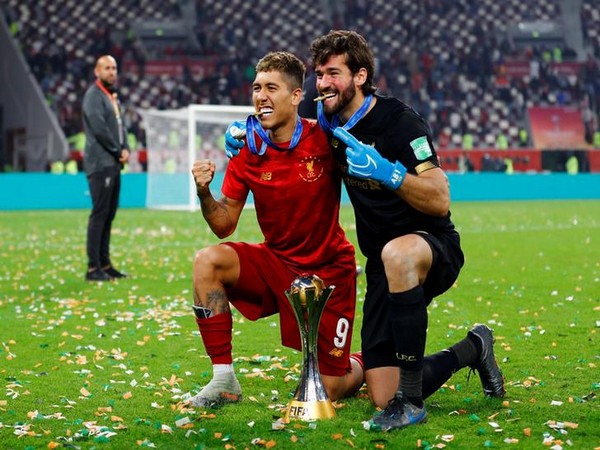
<point>425,166</point>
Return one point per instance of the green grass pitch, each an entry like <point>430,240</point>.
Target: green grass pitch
<point>105,366</point>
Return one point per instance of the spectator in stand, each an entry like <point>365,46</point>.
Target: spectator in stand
<point>596,139</point>
<point>523,137</point>
<point>434,67</point>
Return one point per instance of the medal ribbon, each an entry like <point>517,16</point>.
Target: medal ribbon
<point>335,120</point>
<point>253,124</point>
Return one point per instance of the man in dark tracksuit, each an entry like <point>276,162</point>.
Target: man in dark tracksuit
<point>106,150</point>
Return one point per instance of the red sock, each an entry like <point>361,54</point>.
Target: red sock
<point>359,359</point>
<point>216,334</point>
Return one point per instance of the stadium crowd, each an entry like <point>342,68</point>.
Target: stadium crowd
<point>449,59</point>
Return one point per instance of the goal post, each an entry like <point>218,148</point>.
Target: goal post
<point>171,152</point>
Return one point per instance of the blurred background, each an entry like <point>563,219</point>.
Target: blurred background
<point>506,86</point>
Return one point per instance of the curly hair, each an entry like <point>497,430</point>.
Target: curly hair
<point>351,44</point>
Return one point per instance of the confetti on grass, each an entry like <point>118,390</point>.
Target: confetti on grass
<point>90,322</point>
<point>561,425</point>
<point>183,422</point>
<point>263,442</point>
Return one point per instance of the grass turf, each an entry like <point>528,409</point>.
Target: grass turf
<point>106,365</point>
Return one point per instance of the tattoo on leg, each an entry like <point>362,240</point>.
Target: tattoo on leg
<point>217,301</point>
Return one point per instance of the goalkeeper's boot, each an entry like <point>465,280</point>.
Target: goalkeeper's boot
<point>399,413</point>
<point>490,374</point>
<point>222,389</point>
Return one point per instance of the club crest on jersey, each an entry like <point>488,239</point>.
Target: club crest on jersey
<point>310,169</point>
<point>421,148</point>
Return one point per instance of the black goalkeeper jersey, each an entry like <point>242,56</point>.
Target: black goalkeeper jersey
<point>399,134</point>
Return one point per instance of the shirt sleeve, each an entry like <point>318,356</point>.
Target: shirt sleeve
<point>416,149</point>
<point>235,185</point>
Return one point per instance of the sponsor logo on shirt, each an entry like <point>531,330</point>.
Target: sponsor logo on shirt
<point>266,176</point>
<point>309,169</point>
<point>336,352</point>
<point>369,185</point>
<point>421,148</point>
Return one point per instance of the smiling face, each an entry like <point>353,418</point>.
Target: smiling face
<point>277,101</point>
<point>339,85</point>
<point>344,65</point>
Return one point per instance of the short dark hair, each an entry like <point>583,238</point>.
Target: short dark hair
<point>344,42</point>
<point>289,65</point>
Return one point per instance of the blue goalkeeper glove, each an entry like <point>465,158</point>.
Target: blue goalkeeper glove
<point>366,163</point>
<point>234,138</point>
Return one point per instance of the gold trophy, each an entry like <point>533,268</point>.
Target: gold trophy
<point>308,296</point>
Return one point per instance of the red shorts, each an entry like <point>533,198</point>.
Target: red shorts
<point>260,289</point>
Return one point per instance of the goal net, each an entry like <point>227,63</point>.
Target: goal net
<point>171,152</point>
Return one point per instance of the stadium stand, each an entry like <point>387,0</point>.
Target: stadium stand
<point>590,17</point>
<point>471,68</point>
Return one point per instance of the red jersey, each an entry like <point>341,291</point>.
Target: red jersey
<point>297,197</point>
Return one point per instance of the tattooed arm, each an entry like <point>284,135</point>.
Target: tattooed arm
<point>223,215</point>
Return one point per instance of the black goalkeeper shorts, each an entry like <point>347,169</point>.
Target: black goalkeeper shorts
<point>376,336</point>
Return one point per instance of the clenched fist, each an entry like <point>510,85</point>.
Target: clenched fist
<point>203,172</point>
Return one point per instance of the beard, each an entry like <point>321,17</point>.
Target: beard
<point>345,97</point>
<point>108,81</point>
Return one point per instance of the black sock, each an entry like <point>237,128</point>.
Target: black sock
<point>408,319</point>
<point>467,351</point>
<point>411,385</point>
<point>437,369</point>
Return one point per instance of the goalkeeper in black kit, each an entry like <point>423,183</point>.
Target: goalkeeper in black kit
<point>401,199</point>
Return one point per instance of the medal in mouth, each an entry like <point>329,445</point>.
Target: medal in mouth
<point>324,97</point>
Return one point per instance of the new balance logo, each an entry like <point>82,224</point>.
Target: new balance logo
<point>336,352</point>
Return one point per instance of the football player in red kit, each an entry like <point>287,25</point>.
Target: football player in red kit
<point>286,162</point>
<point>288,167</point>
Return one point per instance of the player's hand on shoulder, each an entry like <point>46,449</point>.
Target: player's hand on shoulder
<point>234,138</point>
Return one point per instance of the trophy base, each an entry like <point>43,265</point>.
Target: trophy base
<point>308,411</point>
